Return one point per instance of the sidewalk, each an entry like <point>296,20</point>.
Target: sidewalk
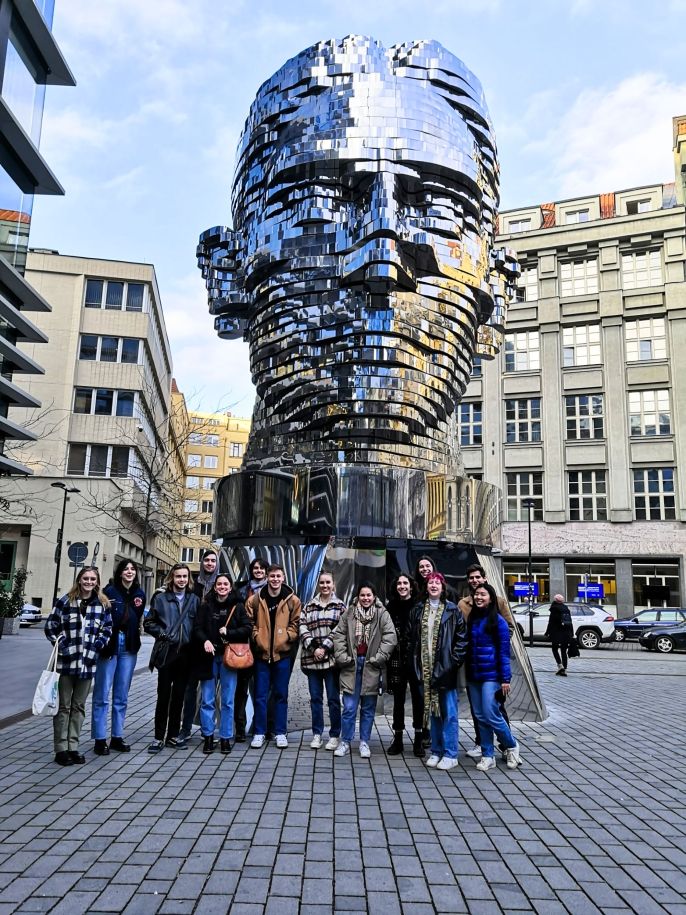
<point>594,821</point>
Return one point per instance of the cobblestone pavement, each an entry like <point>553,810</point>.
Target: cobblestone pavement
<point>593,821</point>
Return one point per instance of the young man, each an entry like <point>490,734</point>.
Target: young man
<point>476,576</point>
<point>275,613</point>
<point>257,580</point>
<point>202,586</point>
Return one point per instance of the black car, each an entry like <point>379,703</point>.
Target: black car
<point>651,618</point>
<point>665,639</point>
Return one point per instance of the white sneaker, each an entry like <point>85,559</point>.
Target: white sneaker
<point>257,742</point>
<point>513,757</point>
<point>342,749</point>
<point>447,763</point>
<point>315,743</point>
<point>365,752</point>
<point>433,761</point>
<point>475,752</point>
<point>485,763</point>
<point>332,743</point>
<point>281,741</point>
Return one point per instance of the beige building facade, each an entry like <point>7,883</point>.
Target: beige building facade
<point>107,427</point>
<point>215,448</point>
<point>582,417</point>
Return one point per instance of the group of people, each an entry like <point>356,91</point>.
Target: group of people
<point>421,639</point>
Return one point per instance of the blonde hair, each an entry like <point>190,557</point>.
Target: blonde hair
<point>74,592</point>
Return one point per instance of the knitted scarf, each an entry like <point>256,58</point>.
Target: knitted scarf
<point>363,622</point>
<point>428,652</point>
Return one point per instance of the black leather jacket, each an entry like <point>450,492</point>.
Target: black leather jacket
<point>165,613</point>
<point>451,648</point>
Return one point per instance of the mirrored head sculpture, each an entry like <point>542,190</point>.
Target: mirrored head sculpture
<point>361,266</point>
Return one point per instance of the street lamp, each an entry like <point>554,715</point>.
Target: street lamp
<point>529,504</point>
<point>58,545</point>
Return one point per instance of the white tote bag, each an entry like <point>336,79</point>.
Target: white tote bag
<point>45,699</point>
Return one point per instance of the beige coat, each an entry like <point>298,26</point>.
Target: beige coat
<point>382,641</point>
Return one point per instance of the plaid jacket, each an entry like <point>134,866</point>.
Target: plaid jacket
<point>84,635</point>
<point>317,622</point>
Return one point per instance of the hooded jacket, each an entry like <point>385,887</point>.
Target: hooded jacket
<point>451,647</point>
<point>84,634</point>
<point>382,640</point>
<point>286,621</point>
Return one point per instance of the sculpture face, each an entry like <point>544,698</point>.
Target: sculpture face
<point>360,266</point>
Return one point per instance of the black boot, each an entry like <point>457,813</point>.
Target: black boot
<point>240,735</point>
<point>208,746</point>
<point>225,744</point>
<point>396,747</point>
<point>119,744</point>
<point>426,738</point>
<point>418,746</point>
<point>100,748</point>
<point>62,758</point>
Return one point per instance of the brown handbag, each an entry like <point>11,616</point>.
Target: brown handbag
<point>238,656</point>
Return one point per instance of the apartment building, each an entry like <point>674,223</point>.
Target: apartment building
<point>106,430</point>
<point>214,449</point>
<point>29,61</point>
<point>582,418</point>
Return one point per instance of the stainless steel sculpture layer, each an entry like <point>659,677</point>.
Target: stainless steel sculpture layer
<point>361,266</point>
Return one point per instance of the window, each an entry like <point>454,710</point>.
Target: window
<point>208,482</point>
<point>649,413</point>
<point>212,440</point>
<point>476,367</point>
<point>584,416</point>
<point>114,293</point>
<point>125,403</point>
<point>656,584</point>
<point>639,270</point>
<point>519,225</point>
<point>89,347</point>
<point>104,399</point>
<point>236,449</point>
<point>527,285</point>
<point>646,339</point>
<point>98,460</point>
<point>206,529</point>
<point>134,296</point>
<point>587,495</point>
<point>190,506</point>
<point>188,529</point>
<point>654,495</point>
<point>523,420</point>
<point>108,349</point>
<point>206,507</point>
<point>94,293</point>
<point>114,296</point>
<point>469,423</point>
<point>211,461</point>
<point>581,345</point>
<point>187,553</point>
<point>194,460</point>
<point>192,482</point>
<point>638,206</point>
<point>129,351</point>
<point>213,422</point>
<point>520,488</point>
<point>195,438</point>
<point>197,420</point>
<point>82,400</point>
<point>574,216</point>
<point>579,277</point>
<point>522,351</point>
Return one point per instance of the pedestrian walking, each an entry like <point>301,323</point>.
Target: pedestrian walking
<point>117,660</point>
<point>275,614</point>
<point>170,621</point>
<point>318,619</point>
<point>399,673</point>
<point>560,631</point>
<point>202,586</point>
<point>257,579</point>
<point>488,671</point>
<point>438,639</point>
<point>363,643</point>
<point>221,620</point>
<point>81,623</point>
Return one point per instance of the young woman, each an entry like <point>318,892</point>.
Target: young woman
<point>257,579</point>
<point>172,613</point>
<point>403,597</point>
<point>363,642</point>
<point>82,623</point>
<point>117,660</point>
<point>318,619</point>
<point>221,621</point>
<point>438,636</point>
<point>425,566</point>
<point>488,671</point>
<point>202,586</point>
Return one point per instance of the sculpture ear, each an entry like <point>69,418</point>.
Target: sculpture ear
<point>219,255</point>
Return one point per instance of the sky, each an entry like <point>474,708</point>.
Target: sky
<point>581,94</point>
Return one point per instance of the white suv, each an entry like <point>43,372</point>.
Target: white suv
<point>592,623</point>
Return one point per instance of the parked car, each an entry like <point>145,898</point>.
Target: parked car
<point>30,614</point>
<point>592,623</point>
<point>665,638</point>
<point>649,619</point>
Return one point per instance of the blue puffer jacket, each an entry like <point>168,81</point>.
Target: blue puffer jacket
<point>488,657</point>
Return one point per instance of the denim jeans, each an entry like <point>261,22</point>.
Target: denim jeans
<point>490,718</point>
<point>317,680</point>
<point>113,674</point>
<point>445,730</point>
<point>276,677</point>
<point>367,705</point>
<point>227,680</point>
